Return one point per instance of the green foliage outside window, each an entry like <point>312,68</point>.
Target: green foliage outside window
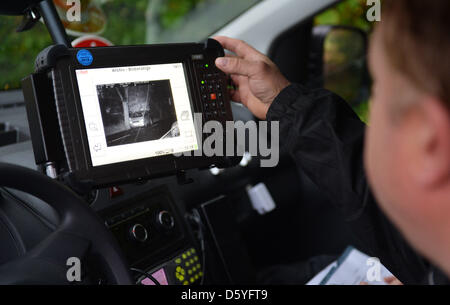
<point>348,12</point>
<point>126,25</point>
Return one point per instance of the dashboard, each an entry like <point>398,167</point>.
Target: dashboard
<point>148,218</point>
<point>155,238</point>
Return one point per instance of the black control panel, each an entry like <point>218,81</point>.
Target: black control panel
<point>155,238</point>
<point>142,229</point>
<point>212,91</point>
<point>184,269</point>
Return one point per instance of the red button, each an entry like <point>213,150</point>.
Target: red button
<point>115,191</point>
<point>213,96</point>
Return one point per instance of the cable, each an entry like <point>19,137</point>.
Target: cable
<point>142,272</point>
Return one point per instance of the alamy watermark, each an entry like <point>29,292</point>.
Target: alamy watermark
<point>374,272</point>
<point>73,14</point>
<point>73,273</point>
<point>374,12</point>
<point>236,139</point>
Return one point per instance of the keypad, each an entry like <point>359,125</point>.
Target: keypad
<point>188,268</point>
<point>211,91</point>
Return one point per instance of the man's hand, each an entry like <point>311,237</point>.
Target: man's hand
<point>391,280</point>
<point>257,78</point>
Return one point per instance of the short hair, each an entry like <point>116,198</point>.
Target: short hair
<point>415,34</point>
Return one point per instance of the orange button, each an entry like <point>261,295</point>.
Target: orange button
<point>213,96</point>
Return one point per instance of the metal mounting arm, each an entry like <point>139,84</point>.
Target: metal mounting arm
<point>45,9</point>
<point>53,23</point>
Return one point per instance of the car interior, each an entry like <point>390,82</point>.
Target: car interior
<point>192,225</point>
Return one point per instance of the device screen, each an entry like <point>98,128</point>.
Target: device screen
<point>136,112</point>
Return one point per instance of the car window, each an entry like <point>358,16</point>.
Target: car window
<point>344,60</point>
<point>122,22</point>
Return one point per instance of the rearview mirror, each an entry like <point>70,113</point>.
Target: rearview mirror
<point>338,62</point>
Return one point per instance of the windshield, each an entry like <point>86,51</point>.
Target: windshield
<point>121,22</point>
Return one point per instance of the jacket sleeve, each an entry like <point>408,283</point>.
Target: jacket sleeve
<point>325,138</point>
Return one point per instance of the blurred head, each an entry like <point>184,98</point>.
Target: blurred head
<point>407,153</point>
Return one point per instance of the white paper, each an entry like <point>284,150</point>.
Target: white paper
<point>321,275</point>
<point>353,268</point>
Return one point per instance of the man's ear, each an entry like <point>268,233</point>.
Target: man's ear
<point>433,143</point>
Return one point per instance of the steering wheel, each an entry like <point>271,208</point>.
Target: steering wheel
<point>80,234</point>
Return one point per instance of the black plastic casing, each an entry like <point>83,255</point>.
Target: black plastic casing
<point>71,120</point>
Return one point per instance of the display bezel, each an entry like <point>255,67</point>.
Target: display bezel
<point>72,119</point>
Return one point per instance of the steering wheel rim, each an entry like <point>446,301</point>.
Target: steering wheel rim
<point>79,230</point>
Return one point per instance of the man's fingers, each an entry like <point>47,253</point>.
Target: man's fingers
<point>237,79</point>
<point>392,280</point>
<point>236,65</point>
<point>237,46</point>
<point>236,96</point>
<point>240,82</point>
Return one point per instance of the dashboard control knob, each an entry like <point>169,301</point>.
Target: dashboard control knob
<point>139,233</point>
<point>165,220</point>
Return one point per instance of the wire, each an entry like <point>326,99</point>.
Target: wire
<point>142,272</point>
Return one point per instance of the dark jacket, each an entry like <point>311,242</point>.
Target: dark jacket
<point>325,138</point>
